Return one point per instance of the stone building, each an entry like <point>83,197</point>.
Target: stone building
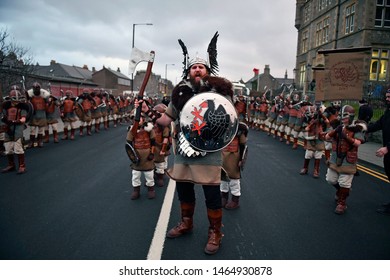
<point>342,24</point>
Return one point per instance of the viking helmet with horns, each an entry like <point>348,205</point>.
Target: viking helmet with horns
<point>210,63</point>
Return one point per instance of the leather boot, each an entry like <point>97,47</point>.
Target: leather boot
<point>65,134</point>
<point>89,129</point>
<point>214,234</point>
<point>22,164</point>
<point>31,142</point>
<point>55,136</point>
<point>281,139</point>
<point>288,139</point>
<point>341,202</point>
<point>224,198</point>
<point>105,125</point>
<point>40,140</point>
<point>136,193</point>
<point>295,144</point>
<point>327,156</point>
<point>46,136</point>
<point>97,129</point>
<point>72,131</point>
<point>81,130</point>
<point>160,180</point>
<point>186,223</point>
<point>305,168</point>
<point>316,172</point>
<point>275,133</point>
<point>151,192</point>
<point>11,164</point>
<point>234,203</point>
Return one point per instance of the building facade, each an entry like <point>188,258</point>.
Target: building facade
<point>342,24</point>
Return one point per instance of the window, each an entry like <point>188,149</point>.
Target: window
<point>349,19</point>
<point>379,63</point>
<point>322,32</point>
<point>382,15</point>
<point>323,4</point>
<point>306,13</point>
<point>305,41</point>
<point>302,74</point>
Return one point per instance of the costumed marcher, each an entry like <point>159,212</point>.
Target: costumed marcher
<point>332,114</point>
<point>384,124</point>
<point>86,102</point>
<point>282,118</point>
<point>314,135</point>
<point>15,113</point>
<point>163,142</point>
<point>68,115</point>
<point>96,112</point>
<point>196,105</point>
<point>143,142</point>
<point>240,105</point>
<point>293,107</point>
<point>105,108</point>
<point>52,116</point>
<point>300,123</point>
<point>261,113</point>
<point>39,99</point>
<point>234,156</point>
<point>273,114</point>
<point>252,112</point>
<point>346,139</point>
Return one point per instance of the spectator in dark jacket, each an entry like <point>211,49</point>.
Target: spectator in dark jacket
<point>384,124</point>
<point>365,111</point>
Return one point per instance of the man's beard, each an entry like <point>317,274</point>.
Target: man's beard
<point>196,84</point>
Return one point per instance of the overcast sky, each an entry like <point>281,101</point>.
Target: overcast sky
<point>253,33</point>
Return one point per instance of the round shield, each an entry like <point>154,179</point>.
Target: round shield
<point>209,121</point>
<point>79,111</point>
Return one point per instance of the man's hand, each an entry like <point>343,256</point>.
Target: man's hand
<point>381,152</point>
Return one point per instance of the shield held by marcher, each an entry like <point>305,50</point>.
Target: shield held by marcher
<point>132,153</point>
<point>79,110</point>
<point>209,122</point>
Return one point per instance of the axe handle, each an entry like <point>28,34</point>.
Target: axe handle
<point>141,94</point>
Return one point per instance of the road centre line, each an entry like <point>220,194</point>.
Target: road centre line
<point>157,245</point>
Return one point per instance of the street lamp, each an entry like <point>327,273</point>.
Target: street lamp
<point>132,46</point>
<point>166,81</point>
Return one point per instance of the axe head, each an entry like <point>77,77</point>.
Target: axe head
<point>137,56</point>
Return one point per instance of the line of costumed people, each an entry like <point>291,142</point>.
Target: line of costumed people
<point>209,143</point>
<point>328,130</point>
<point>40,111</point>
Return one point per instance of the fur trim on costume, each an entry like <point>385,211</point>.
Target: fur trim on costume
<point>185,90</point>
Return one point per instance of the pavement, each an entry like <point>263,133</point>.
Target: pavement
<point>366,154</point>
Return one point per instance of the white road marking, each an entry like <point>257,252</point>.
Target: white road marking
<point>157,245</point>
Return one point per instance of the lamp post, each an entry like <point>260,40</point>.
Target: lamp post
<point>132,46</point>
<point>166,81</point>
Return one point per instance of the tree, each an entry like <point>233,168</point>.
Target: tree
<point>15,62</point>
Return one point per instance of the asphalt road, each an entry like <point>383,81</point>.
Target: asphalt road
<point>74,204</point>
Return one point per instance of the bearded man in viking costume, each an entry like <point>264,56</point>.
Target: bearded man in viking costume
<point>206,121</point>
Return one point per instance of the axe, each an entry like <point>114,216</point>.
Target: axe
<point>136,57</point>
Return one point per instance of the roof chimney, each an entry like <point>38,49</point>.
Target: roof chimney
<point>52,62</point>
<point>267,71</point>
<point>256,71</point>
<point>85,66</point>
<point>93,69</point>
